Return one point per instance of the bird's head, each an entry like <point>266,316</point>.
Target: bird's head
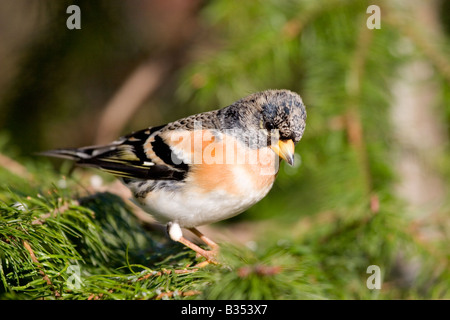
<point>274,118</point>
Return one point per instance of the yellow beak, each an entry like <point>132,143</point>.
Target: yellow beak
<point>285,150</point>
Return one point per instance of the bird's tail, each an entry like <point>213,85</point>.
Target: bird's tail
<point>71,154</point>
<point>125,157</point>
<point>86,156</point>
<point>116,158</point>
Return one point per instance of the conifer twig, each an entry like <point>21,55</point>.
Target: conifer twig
<point>349,227</point>
<point>98,296</point>
<point>59,210</point>
<point>157,274</point>
<point>166,271</point>
<point>41,270</point>
<point>170,294</point>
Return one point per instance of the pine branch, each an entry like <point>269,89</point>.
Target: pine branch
<point>170,294</point>
<point>41,269</point>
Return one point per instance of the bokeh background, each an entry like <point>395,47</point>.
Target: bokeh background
<point>378,102</point>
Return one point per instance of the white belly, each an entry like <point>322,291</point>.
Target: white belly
<point>192,209</point>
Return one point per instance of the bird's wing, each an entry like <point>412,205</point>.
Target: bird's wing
<point>144,154</point>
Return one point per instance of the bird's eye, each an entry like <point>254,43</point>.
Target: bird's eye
<point>268,125</point>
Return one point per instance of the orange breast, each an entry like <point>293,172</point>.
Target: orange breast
<point>224,163</point>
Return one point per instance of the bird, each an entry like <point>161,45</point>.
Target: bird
<point>206,167</point>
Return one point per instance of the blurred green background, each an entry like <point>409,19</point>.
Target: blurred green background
<point>378,102</point>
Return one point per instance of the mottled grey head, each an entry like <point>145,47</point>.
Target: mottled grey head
<point>267,116</point>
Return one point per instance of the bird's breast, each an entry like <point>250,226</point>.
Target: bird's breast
<point>224,179</point>
<point>228,165</point>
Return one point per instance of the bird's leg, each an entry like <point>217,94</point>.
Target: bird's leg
<point>209,255</point>
<point>214,246</point>
<point>176,234</point>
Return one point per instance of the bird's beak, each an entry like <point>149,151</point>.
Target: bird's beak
<point>285,149</point>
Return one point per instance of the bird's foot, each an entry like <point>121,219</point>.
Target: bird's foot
<point>176,234</point>
<point>209,255</point>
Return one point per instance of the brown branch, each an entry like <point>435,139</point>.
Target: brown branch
<point>98,296</point>
<point>170,294</point>
<point>177,27</point>
<point>142,82</point>
<point>354,125</point>
<point>41,269</point>
<point>14,167</point>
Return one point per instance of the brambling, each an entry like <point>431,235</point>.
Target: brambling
<point>206,167</point>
